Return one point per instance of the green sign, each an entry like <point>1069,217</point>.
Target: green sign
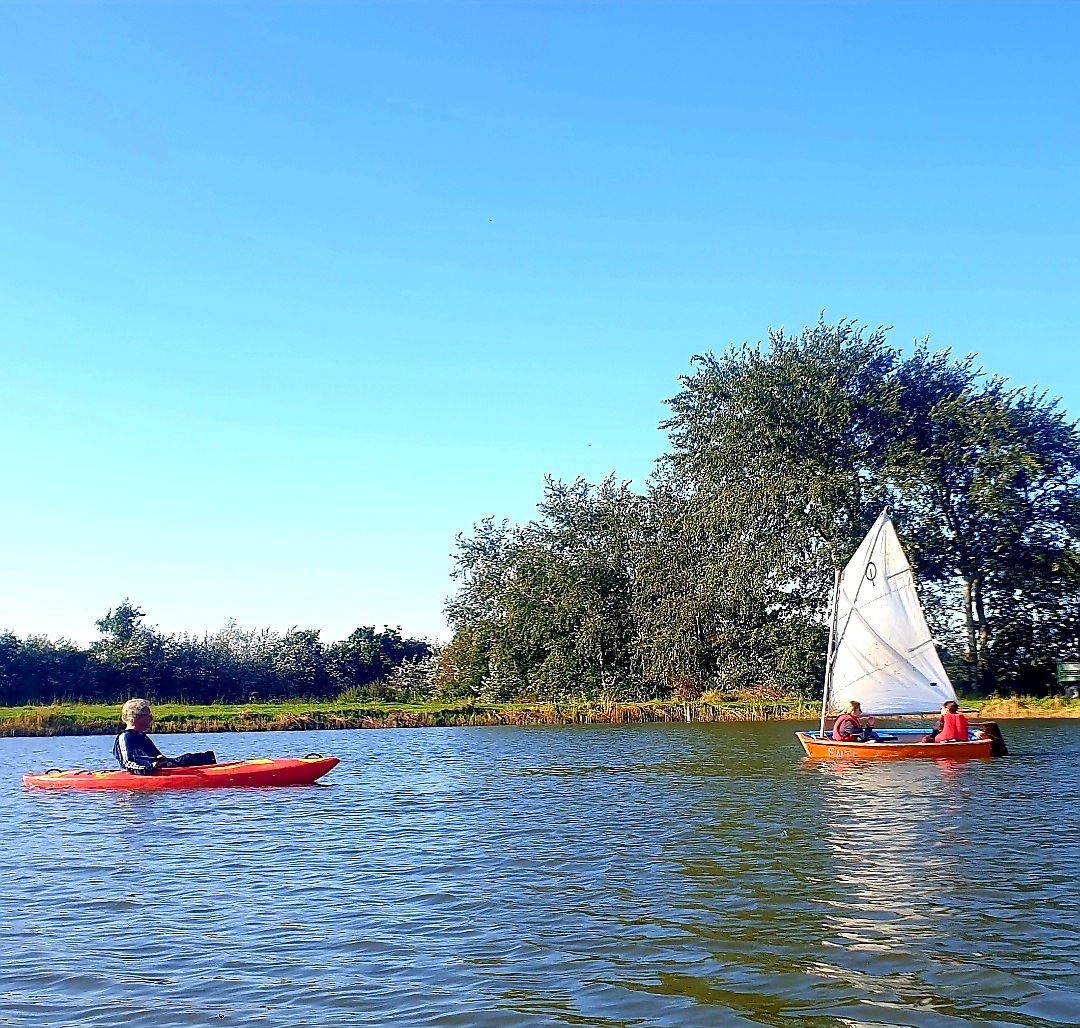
<point>1068,671</point>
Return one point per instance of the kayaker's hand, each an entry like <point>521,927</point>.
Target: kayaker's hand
<point>870,722</point>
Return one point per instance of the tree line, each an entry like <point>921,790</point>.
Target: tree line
<point>718,574</point>
<point>233,665</point>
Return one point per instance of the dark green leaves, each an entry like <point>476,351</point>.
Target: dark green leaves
<point>782,455</point>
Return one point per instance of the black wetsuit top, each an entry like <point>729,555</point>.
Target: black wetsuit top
<point>135,751</point>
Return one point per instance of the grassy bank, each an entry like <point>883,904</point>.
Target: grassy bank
<point>91,719</point>
<point>1025,706</point>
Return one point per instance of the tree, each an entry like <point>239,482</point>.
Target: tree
<point>298,665</point>
<point>988,480</point>
<point>37,670</point>
<point>233,665</point>
<point>784,455</point>
<point>121,625</point>
<point>367,657</point>
<point>545,609</point>
<point>775,473</point>
<point>129,655</point>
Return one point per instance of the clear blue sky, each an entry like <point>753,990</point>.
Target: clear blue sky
<point>292,293</point>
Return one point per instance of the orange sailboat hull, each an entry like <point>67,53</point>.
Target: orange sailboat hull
<point>825,748</point>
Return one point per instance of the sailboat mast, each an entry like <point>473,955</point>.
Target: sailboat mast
<point>832,650</point>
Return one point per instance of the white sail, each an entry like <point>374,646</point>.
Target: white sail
<point>884,655</point>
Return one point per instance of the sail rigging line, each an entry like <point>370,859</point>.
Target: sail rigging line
<point>832,648</point>
<point>836,639</point>
<point>883,519</point>
<point>899,658</point>
<point>885,654</point>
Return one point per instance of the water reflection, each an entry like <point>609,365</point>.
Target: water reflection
<point>653,875</point>
<point>920,922</point>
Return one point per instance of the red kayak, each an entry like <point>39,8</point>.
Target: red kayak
<point>279,771</point>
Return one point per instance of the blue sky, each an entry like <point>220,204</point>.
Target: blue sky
<point>290,294</point>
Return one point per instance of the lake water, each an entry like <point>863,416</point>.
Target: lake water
<point>668,875</point>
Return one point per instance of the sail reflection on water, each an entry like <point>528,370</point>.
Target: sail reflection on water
<point>898,832</point>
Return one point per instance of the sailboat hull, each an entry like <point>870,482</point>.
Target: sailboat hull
<point>823,747</point>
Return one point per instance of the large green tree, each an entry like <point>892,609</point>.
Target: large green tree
<point>987,480</point>
<point>129,654</point>
<point>782,455</point>
<point>777,453</point>
<point>544,609</point>
<point>787,452</point>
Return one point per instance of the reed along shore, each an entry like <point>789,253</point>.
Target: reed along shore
<point>100,719</point>
<point>87,719</point>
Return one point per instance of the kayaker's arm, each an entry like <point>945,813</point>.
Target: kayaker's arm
<point>138,766</point>
<point>136,753</point>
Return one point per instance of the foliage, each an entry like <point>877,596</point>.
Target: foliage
<point>544,610</point>
<point>230,666</point>
<point>782,456</point>
<point>985,477</point>
<point>35,670</point>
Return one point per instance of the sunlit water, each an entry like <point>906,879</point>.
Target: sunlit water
<point>675,875</point>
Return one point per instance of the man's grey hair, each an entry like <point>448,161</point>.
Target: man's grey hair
<point>132,709</point>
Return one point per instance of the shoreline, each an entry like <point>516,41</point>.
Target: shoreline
<point>172,718</point>
<point>83,719</point>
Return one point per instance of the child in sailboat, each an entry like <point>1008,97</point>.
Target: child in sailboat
<point>848,728</point>
<point>952,726</point>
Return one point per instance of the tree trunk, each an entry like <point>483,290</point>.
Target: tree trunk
<point>982,655</point>
<point>971,654</point>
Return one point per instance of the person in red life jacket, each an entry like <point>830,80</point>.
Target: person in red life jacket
<point>952,726</point>
<point>848,728</point>
<point>940,726</point>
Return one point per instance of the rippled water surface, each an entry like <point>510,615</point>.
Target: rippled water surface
<point>676,875</point>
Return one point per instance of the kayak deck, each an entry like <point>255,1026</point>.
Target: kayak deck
<point>239,773</point>
<point>896,744</point>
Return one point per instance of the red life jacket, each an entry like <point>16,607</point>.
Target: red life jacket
<point>846,728</point>
<point>954,728</point>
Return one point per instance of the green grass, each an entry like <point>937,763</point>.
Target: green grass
<point>101,718</point>
<point>1025,706</point>
<point>104,719</point>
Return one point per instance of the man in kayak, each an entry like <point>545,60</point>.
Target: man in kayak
<point>848,728</point>
<point>135,750</point>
